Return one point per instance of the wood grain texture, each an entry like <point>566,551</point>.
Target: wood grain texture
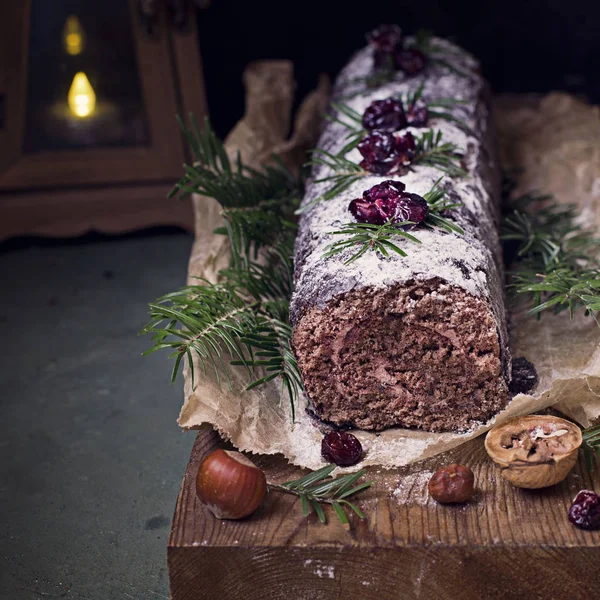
<point>506,543</point>
<point>59,213</point>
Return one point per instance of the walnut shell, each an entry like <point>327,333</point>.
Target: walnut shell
<point>534,451</point>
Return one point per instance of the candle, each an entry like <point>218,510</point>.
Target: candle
<point>81,98</point>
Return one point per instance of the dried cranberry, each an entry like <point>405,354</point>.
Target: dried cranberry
<point>585,510</point>
<point>381,152</point>
<point>417,114</point>
<point>385,37</point>
<point>406,147</point>
<point>412,207</point>
<point>385,190</point>
<point>411,61</point>
<point>383,60</point>
<point>384,115</point>
<point>384,40</point>
<point>524,376</point>
<point>388,201</point>
<point>384,152</point>
<point>367,212</point>
<point>341,448</point>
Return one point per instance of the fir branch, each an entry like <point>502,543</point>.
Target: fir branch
<point>365,237</point>
<point>446,102</point>
<point>446,116</point>
<point>232,184</point>
<point>411,98</point>
<point>439,208</point>
<point>591,446</point>
<point>243,320</point>
<point>218,323</point>
<point>368,237</point>
<point>317,488</point>
<point>557,263</point>
<point>205,319</point>
<point>352,121</point>
<point>255,227</point>
<point>431,151</point>
<point>345,173</point>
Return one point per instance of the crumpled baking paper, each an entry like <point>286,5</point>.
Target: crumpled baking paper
<point>566,354</point>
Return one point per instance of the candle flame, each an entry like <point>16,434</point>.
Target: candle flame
<point>73,36</point>
<point>82,99</point>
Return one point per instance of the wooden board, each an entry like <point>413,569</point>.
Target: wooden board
<point>506,543</point>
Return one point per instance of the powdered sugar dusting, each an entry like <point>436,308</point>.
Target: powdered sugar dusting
<point>320,569</point>
<point>412,488</point>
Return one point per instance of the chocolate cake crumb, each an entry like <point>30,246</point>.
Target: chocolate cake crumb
<point>524,376</point>
<point>421,354</point>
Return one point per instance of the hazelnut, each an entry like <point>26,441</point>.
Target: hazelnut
<point>534,451</point>
<point>453,483</point>
<point>230,484</point>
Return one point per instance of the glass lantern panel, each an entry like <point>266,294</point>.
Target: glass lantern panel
<point>83,80</point>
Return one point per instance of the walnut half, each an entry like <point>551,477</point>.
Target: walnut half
<point>534,451</point>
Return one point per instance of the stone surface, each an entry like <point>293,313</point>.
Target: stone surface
<point>90,454</point>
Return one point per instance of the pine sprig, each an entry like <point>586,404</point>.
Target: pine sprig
<point>242,321</point>
<point>433,152</point>
<point>220,325</point>
<point>232,184</point>
<point>366,237</point>
<point>591,446</point>
<point>411,98</point>
<point>345,173</point>
<point>317,488</point>
<point>352,121</point>
<point>557,263</point>
<point>438,209</point>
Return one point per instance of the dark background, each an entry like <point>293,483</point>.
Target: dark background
<point>523,45</point>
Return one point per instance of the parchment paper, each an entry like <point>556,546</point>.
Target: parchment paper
<point>566,354</point>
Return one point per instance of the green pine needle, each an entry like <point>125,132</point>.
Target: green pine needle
<point>232,184</point>
<point>433,152</point>
<point>557,265</point>
<point>318,488</point>
<point>411,98</point>
<point>591,446</point>
<point>243,321</point>
<point>345,173</point>
<point>365,237</point>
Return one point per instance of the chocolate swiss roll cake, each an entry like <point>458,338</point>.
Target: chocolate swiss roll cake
<point>418,340</point>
